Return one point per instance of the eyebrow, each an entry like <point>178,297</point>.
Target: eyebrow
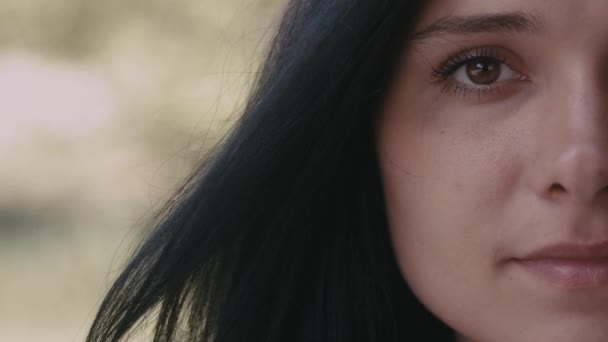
<point>514,22</point>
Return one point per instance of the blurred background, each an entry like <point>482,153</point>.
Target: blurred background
<point>104,107</point>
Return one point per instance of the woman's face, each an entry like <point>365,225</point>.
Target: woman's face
<point>493,148</point>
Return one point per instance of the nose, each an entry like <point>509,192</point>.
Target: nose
<point>579,174</point>
<point>575,142</point>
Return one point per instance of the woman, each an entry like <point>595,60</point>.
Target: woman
<point>403,168</point>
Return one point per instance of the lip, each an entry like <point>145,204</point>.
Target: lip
<point>569,265</point>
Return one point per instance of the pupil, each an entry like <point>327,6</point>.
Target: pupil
<point>483,71</point>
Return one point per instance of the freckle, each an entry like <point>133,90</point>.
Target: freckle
<point>458,185</point>
<point>442,132</point>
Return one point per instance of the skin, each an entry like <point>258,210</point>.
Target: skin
<point>473,184</point>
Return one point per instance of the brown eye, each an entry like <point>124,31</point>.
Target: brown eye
<point>483,71</point>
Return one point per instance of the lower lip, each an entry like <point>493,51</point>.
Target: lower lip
<point>570,273</point>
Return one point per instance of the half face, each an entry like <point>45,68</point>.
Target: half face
<point>493,148</point>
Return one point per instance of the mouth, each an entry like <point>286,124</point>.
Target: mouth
<point>569,265</point>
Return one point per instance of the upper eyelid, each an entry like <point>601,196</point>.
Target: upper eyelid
<point>482,51</point>
<point>465,54</point>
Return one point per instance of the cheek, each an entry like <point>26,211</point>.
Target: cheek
<point>448,192</point>
<point>440,203</point>
<point>445,172</point>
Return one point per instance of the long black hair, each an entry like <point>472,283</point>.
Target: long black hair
<point>281,234</point>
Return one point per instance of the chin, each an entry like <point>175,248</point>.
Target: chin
<point>565,327</point>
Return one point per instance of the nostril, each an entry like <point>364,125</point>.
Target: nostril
<point>556,188</point>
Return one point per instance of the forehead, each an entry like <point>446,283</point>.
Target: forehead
<point>574,22</point>
<point>556,13</point>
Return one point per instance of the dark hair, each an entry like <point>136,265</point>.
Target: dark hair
<point>281,234</point>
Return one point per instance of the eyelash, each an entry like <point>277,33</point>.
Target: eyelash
<point>442,73</point>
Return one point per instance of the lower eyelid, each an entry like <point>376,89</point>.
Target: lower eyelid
<point>494,92</point>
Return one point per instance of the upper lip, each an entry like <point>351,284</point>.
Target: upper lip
<point>571,250</point>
